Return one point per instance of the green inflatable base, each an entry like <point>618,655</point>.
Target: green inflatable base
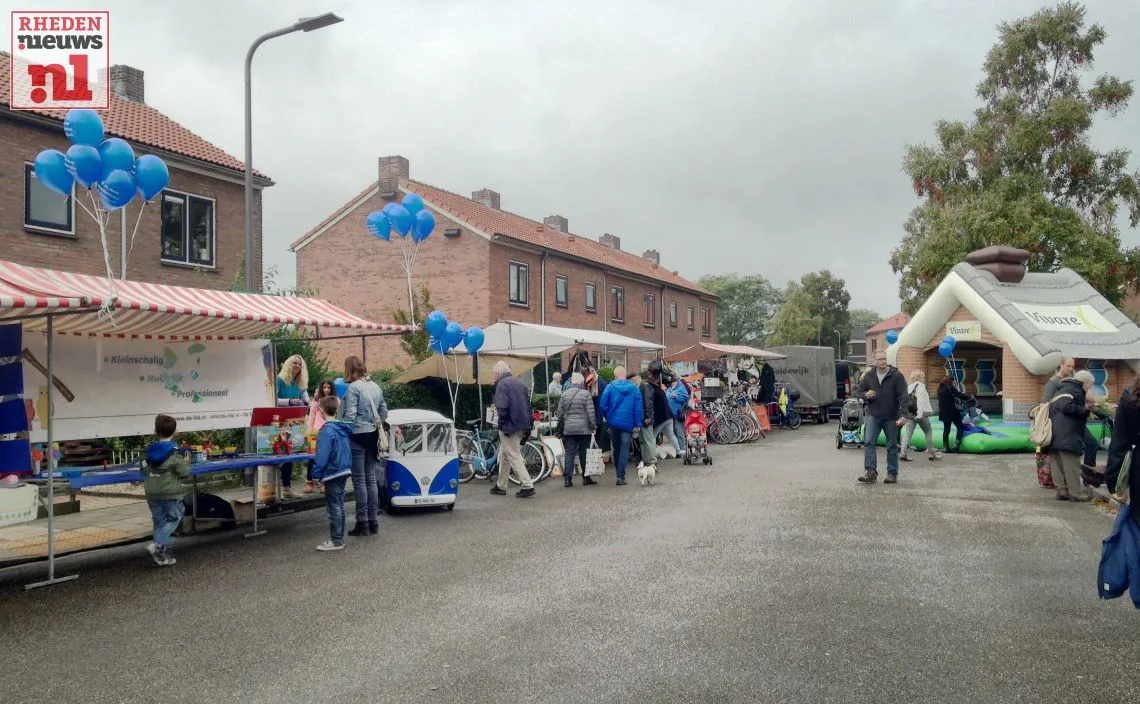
<point>1006,437</point>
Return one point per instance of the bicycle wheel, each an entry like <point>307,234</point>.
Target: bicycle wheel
<point>794,420</point>
<point>468,450</point>
<point>752,427</point>
<point>548,461</point>
<point>535,460</point>
<point>487,460</point>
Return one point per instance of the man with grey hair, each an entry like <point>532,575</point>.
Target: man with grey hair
<point>515,422</point>
<point>1089,444</point>
<point>1069,412</point>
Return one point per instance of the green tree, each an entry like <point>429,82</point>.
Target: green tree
<point>864,317</point>
<point>745,307</point>
<point>794,323</point>
<point>416,345</point>
<point>1024,171</point>
<point>829,303</point>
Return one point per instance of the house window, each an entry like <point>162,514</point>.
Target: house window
<point>650,311</point>
<point>874,344</point>
<point>591,297</point>
<point>187,229</point>
<point>689,317</point>
<point>561,292</point>
<point>519,276</point>
<point>44,209</point>
<point>672,314</point>
<point>706,322</point>
<point>617,304</point>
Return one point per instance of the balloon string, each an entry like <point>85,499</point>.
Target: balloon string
<point>105,310</point>
<point>134,232</point>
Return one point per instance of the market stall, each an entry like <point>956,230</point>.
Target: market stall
<point>131,350</point>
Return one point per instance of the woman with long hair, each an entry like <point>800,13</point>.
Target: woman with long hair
<point>919,416</point>
<point>292,390</point>
<point>316,419</point>
<point>363,406</point>
<point>949,414</point>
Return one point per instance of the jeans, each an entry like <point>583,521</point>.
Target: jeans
<point>1091,447</point>
<point>666,428</point>
<point>334,508</point>
<point>511,460</point>
<point>679,433</point>
<point>911,424</point>
<point>576,446</point>
<point>619,440</point>
<point>364,472</point>
<point>166,516</point>
<point>872,427</point>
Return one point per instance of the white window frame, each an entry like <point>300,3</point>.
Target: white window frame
<point>30,173</point>
<point>562,279</point>
<point>690,317</point>
<point>615,305</point>
<point>672,314</point>
<point>185,198</point>
<point>524,301</point>
<point>591,307</point>
<point>650,311</point>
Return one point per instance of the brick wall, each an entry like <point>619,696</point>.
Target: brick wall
<point>83,253</point>
<point>352,269</point>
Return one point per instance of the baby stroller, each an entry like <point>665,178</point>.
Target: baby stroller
<point>696,439</point>
<point>851,417</point>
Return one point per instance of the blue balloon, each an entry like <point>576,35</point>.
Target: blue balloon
<point>438,345</point>
<point>151,175</point>
<point>84,126</point>
<point>473,339</point>
<point>117,189</point>
<point>84,164</point>
<point>892,336</point>
<point>945,349</point>
<point>340,387</point>
<point>453,334</point>
<point>379,225</point>
<point>436,323</point>
<point>425,223</point>
<point>51,170</point>
<point>117,155</point>
<point>949,340</point>
<point>413,203</point>
<point>401,220</point>
<point>388,208</point>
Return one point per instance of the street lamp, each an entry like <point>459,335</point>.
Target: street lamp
<point>305,24</point>
<point>839,336</point>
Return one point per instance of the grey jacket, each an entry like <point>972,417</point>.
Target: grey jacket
<point>357,409</point>
<point>1051,389</point>
<point>576,409</point>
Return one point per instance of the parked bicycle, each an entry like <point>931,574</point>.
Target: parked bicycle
<point>731,419</point>
<point>479,454</point>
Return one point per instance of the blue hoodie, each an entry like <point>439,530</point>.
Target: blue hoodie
<point>678,397</point>
<point>622,405</point>
<point>334,456</point>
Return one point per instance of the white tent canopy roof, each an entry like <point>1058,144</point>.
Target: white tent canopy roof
<point>510,337</point>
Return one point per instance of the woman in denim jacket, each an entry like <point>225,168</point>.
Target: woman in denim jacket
<point>362,403</point>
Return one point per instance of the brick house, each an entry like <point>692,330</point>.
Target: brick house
<point>192,234</point>
<point>876,335</point>
<point>483,264</point>
<point>1012,334</point>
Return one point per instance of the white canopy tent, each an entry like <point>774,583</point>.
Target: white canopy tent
<point>510,337</point>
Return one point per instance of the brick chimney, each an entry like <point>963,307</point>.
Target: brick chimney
<point>392,169</point>
<point>652,255</point>
<point>610,241</point>
<point>126,82</point>
<point>556,222</point>
<point>486,197</point>
<point>1007,264</point>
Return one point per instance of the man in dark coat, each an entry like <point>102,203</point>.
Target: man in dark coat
<point>1069,413</point>
<point>883,389</point>
<point>515,422</point>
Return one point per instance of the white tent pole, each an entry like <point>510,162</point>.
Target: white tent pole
<point>479,386</point>
<point>51,578</point>
<point>546,366</point>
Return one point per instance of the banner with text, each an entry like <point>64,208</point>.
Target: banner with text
<point>109,388</point>
<point>1078,318</point>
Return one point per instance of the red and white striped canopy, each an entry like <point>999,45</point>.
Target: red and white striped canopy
<point>157,310</point>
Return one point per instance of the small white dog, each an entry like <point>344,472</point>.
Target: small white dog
<point>646,473</point>
<point>666,451</point>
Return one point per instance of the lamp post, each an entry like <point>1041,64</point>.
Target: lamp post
<point>307,24</point>
<point>839,337</point>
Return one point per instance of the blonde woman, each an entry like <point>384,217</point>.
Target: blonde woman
<point>292,390</point>
<point>918,414</point>
<point>362,406</point>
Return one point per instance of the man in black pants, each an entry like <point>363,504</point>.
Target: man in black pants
<point>949,413</point>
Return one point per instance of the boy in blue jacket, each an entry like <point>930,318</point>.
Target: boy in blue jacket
<point>332,467</point>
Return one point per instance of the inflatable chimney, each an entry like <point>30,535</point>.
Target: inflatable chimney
<point>1007,264</point>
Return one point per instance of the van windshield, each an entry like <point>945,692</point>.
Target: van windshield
<point>430,438</point>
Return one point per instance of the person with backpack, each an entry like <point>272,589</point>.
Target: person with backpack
<point>918,412</point>
<point>949,413</point>
<point>1068,414</point>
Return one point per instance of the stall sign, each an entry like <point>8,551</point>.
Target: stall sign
<point>964,330</point>
<point>113,387</point>
<point>1080,319</point>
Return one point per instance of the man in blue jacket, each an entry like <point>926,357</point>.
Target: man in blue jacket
<point>515,422</point>
<point>625,412</point>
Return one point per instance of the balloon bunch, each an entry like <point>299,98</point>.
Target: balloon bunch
<point>947,346</point>
<point>106,167</point>
<point>447,335</point>
<point>409,219</point>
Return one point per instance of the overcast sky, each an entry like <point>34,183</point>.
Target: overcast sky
<point>733,136</point>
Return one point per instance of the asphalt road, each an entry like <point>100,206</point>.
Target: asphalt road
<point>769,577</point>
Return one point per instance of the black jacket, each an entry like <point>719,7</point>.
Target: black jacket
<point>647,401</point>
<point>1125,436</point>
<point>1069,417</point>
<point>890,396</point>
<point>947,395</point>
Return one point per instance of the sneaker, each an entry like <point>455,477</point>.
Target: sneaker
<point>935,456</point>
<point>869,477</point>
<point>891,479</point>
<point>329,546</point>
<point>496,491</point>
<point>167,561</point>
<point>287,493</point>
<point>525,493</point>
<point>155,553</point>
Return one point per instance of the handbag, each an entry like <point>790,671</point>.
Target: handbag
<point>382,445</point>
<point>594,464</point>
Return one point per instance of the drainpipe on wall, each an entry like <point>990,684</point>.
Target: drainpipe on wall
<point>664,322</point>
<point>542,276</point>
<point>605,312</point>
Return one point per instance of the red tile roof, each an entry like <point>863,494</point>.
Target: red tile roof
<point>895,322</point>
<point>501,222</point>
<point>140,125</point>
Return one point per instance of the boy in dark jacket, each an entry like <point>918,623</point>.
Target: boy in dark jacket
<point>332,467</point>
<point>883,388</point>
<point>163,471</point>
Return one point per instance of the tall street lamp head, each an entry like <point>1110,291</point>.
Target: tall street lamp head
<point>308,24</point>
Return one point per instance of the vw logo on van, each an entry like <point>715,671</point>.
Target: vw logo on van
<point>425,481</point>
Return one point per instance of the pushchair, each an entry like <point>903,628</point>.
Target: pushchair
<point>696,439</point>
<point>851,418</point>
